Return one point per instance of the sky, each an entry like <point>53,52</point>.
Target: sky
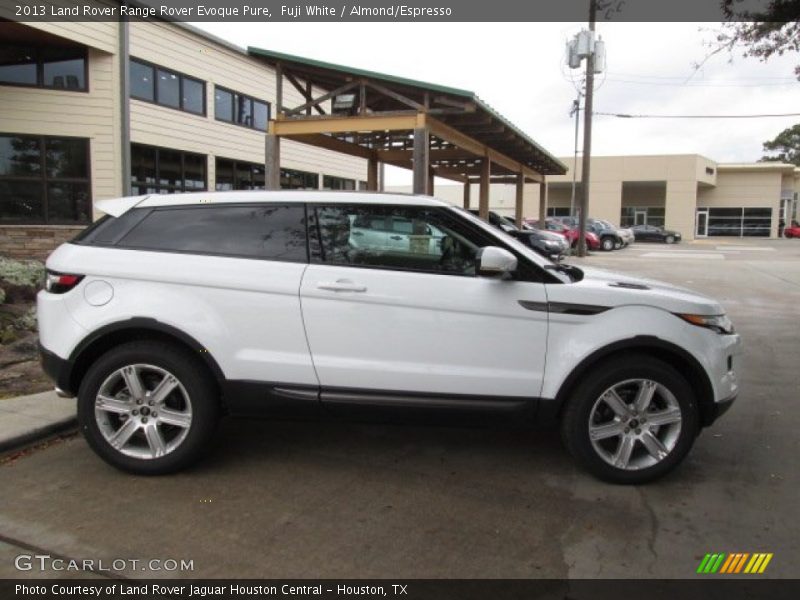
<point>519,69</point>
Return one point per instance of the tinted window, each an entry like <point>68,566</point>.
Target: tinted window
<point>163,171</point>
<point>292,179</point>
<point>168,88</point>
<point>272,232</point>
<point>260,115</point>
<point>437,242</point>
<point>223,105</point>
<point>243,106</point>
<point>17,64</point>
<point>142,81</point>
<point>20,156</point>
<point>64,68</point>
<point>66,157</point>
<point>193,94</point>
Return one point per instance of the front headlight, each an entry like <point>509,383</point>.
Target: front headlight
<point>719,323</point>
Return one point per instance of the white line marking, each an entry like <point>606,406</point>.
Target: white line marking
<point>701,255</point>
<point>746,248</point>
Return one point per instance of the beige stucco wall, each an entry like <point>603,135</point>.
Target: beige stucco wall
<point>502,197</point>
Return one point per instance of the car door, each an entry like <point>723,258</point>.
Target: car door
<point>401,323</point>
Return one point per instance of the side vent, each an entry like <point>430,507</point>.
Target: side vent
<point>629,286</point>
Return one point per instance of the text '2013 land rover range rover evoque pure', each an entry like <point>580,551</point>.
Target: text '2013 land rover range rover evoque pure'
<point>174,310</point>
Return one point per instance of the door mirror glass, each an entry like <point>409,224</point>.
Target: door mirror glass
<point>496,262</point>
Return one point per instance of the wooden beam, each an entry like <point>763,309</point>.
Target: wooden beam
<point>272,162</point>
<point>278,88</point>
<point>467,189</point>
<point>306,93</point>
<point>542,201</point>
<point>430,181</point>
<point>331,143</point>
<point>443,154</point>
<point>421,160</point>
<point>320,99</point>
<point>483,200</point>
<point>372,174</point>
<point>338,124</point>
<point>394,95</point>
<point>520,193</point>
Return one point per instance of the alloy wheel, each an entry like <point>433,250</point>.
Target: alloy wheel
<point>143,411</point>
<point>635,424</point>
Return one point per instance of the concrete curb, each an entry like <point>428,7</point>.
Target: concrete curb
<point>38,434</point>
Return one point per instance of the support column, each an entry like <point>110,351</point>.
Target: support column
<point>518,200</point>
<point>430,181</point>
<point>483,200</point>
<point>372,174</point>
<point>542,202</point>
<point>467,189</point>
<point>421,160</point>
<point>272,162</point>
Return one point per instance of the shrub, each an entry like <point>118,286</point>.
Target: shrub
<point>22,272</point>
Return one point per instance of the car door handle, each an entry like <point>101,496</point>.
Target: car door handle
<point>341,285</point>
<point>395,237</point>
<point>358,233</point>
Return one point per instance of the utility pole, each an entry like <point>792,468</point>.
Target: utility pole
<point>576,110</point>
<point>587,135</point>
<point>584,45</point>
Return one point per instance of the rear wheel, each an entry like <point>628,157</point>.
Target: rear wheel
<point>670,239</point>
<point>632,420</point>
<point>148,407</point>
<point>607,244</point>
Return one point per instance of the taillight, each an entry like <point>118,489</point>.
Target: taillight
<point>60,283</point>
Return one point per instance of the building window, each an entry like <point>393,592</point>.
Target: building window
<point>641,215</point>
<point>239,175</point>
<point>329,182</point>
<point>165,171</point>
<point>363,186</point>
<point>740,222</point>
<point>233,107</point>
<point>557,211</point>
<point>56,67</point>
<point>167,88</point>
<point>292,179</point>
<point>44,180</point>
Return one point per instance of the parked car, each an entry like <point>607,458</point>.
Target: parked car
<point>626,233</point>
<point>607,234</point>
<point>550,245</point>
<point>792,231</point>
<point>173,310</point>
<point>651,233</point>
<point>554,226</point>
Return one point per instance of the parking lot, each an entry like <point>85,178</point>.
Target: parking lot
<point>349,500</point>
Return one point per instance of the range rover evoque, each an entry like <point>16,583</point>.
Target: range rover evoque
<point>174,310</point>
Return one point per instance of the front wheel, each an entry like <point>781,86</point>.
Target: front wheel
<point>631,420</point>
<point>608,244</point>
<point>148,407</point>
<point>670,239</point>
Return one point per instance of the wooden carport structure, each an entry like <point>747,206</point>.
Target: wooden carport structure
<point>431,129</point>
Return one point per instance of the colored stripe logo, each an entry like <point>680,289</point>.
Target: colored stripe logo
<point>734,563</point>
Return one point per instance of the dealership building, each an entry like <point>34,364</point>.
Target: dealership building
<point>689,193</point>
<point>95,110</point>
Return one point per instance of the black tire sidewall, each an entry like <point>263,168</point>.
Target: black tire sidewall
<point>575,424</point>
<point>194,378</point>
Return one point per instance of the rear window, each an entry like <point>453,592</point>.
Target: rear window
<point>108,230</point>
<point>274,232</point>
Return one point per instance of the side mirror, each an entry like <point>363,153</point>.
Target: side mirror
<point>493,261</point>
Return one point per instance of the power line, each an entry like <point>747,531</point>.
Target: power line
<point>628,116</point>
<point>683,77</point>
<point>709,84</point>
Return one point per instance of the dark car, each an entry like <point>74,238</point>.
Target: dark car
<point>550,245</point>
<point>651,233</point>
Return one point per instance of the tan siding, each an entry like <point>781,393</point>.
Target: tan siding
<point>92,115</point>
<point>193,55</point>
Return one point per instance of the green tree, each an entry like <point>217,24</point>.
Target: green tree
<point>773,30</point>
<point>785,147</point>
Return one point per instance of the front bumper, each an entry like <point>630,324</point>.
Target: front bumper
<point>714,410</point>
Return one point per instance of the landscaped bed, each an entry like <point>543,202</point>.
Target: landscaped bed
<point>20,372</point>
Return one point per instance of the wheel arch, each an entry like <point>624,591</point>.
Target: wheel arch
<point>686,364</point>
<point>136,328</point>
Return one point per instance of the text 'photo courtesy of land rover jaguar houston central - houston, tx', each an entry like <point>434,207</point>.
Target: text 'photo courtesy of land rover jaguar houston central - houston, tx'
<point>174,310</point>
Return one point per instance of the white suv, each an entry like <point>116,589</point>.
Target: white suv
<point>174,310</point>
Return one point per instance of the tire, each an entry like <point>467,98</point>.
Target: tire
<point>670,239</point>
<point>128,377</point>
<point>607,244</point>
<point>673,405</point>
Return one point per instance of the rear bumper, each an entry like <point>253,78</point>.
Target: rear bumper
<point>58,369</point>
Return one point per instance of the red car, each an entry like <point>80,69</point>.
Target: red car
<point>792,232</point>
<point>592,241</point>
